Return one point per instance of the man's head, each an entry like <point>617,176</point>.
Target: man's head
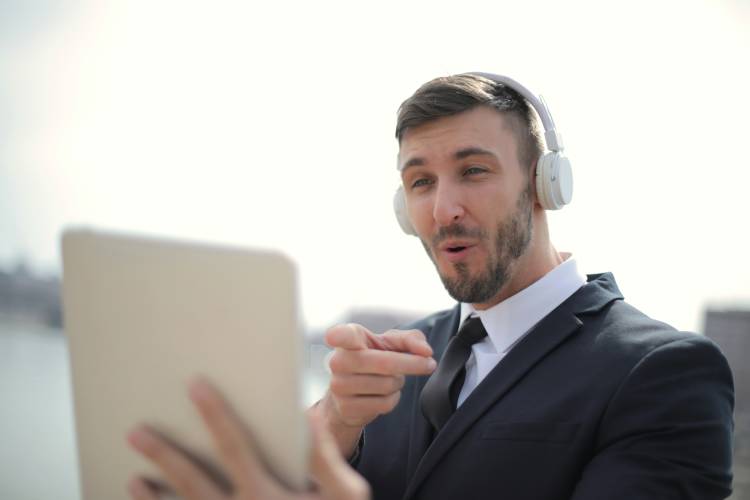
<point>450,95</point>
<point>468,147</point>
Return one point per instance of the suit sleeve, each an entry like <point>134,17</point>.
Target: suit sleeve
<point>667,432</point>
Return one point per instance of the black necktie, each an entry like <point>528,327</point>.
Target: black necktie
<point>440,393</point>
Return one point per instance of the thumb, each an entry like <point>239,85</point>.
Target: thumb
<point>351,337</point>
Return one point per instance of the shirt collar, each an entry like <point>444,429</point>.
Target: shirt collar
<point>509,320</point>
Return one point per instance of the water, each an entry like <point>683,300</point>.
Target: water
<point>38,453</point>
<point>37,442</point>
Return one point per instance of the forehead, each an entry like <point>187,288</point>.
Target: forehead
<point>481,127</point>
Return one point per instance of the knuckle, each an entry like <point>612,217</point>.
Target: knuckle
<point>417,333</point>
<point>395,398</point>
<point>389,402</point>
<point>358,330</point>
<point>398,382</point>
<point>337,385</point>
<point>396,334</point>
<point>337,362</point>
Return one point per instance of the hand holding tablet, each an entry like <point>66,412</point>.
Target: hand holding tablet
<point>247,479</point>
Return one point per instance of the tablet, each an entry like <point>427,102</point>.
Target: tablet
<point>143,316</point>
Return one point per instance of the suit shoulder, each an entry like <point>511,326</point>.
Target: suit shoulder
<point>624,323</point>
<point>630,330</point>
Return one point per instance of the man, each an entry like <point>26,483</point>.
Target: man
<point>549,385</point>
<point>572,393</point>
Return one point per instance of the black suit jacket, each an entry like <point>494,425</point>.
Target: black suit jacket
<point>597,402</point>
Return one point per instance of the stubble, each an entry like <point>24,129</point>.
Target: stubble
<point>511,239</point>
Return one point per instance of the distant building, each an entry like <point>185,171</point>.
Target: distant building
<point>730,329</point>
<point>27,298</point>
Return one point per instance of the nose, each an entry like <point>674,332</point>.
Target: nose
<point>448,205</point>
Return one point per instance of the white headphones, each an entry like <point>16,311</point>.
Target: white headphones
<point>554,177</point>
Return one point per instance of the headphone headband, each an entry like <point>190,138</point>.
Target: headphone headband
<point>551,135</point>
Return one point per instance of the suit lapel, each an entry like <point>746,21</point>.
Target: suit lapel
<point>421,432</point>
<point>553,330</point>
<point>549,333</point>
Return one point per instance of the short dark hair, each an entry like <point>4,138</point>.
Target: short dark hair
<point>450,95</point>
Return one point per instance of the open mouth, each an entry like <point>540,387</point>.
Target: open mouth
<point>455,252</point>
<point>457,249</point>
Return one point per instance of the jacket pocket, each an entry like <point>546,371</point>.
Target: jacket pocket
<point>530,431</point>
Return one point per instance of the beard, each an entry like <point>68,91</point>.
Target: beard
<point>511,239</point>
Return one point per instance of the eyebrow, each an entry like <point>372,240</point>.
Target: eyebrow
<point>458,155</point>
<point>472,151</point>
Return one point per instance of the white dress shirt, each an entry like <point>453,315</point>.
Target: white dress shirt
<point>510,320</point>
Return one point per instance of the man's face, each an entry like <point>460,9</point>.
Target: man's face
<point>469,200</point>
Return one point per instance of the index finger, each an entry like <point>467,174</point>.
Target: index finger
<point>182,474</point>
<point>377,362</point>
<point>231,439</point>
<point>354,337</point>
<point>412,341</point>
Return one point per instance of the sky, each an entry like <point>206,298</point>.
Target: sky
<point>270,124</point>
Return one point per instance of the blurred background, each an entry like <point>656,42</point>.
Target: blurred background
<point>270,124</point>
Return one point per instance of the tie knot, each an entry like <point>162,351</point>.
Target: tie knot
<point>472,331</point>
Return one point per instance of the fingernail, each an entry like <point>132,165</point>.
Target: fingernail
<point>140,439</point>
<point>199,390</point>
<point>327,362</point>
<point>431,364</point>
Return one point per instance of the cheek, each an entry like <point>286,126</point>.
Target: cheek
<point>420,214</point>
<point>491,206</point>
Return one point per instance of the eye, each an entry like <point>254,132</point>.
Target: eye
<point>474,170</point>
<point>422,181</point>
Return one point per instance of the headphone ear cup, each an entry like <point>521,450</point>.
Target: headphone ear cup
<point>402,216</point>
<point>554,181</point>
